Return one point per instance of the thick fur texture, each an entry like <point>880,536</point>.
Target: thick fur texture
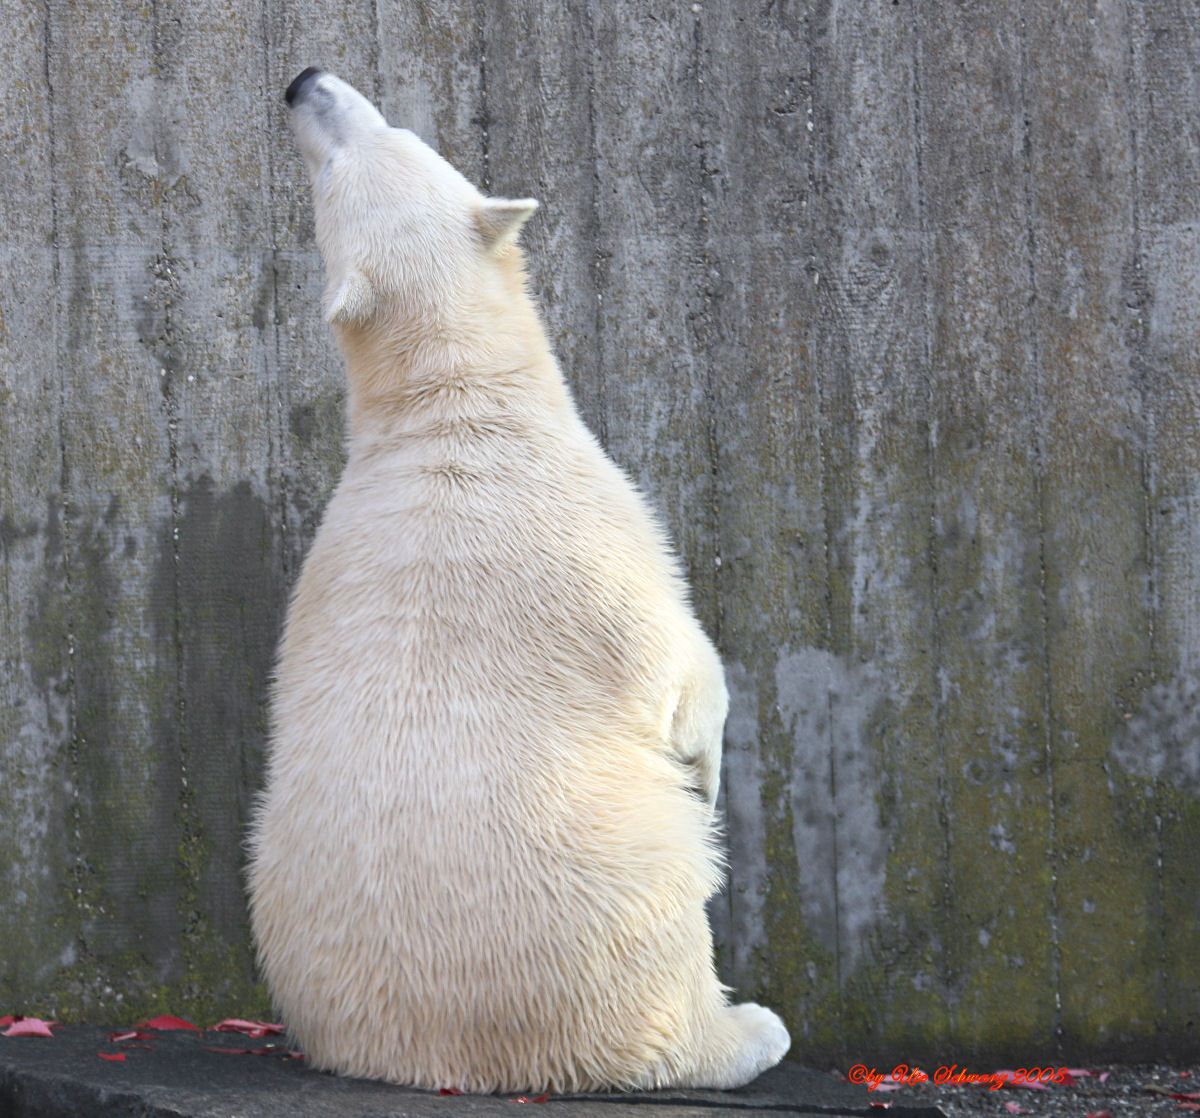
<point>487,836</point>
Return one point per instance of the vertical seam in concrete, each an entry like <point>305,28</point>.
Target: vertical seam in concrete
<point>484,121</point>
<point>74,809</point>
<point>1142,371</point>
<point>823,416</point>
<point>599,259</point>
<point>703,335</point>
<point>702,325</point>
<point>950,977</point>
<point>278,446</point>
<point>1139,349</point>
<point>377,67</point>
<point>189,834</point>
<point>1039,488</point>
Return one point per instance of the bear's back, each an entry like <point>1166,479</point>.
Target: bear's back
<point>481,631</point>
<point>519,548</point>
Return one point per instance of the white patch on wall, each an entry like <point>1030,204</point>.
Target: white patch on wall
<point>827,706</point>
<point>1162,739</point>
<point>152,146</point>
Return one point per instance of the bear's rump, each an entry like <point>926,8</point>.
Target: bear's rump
<point>457,925</point>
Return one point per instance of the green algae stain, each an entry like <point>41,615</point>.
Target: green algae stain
<point>798,976</point>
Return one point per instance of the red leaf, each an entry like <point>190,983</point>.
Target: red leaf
<point>1099,1114</point>
<point>1014,1108</point>
<point>1185,1098</point>
<point>1189,1106</point>
<point>542,1098</point>
<point>1070,1075</point>
<point>113,1057</point>
<point>449,1091</point>
<point>1181,1074</point>
<point>295,1054</point>
<point>881,1106</point>
<point>226,1051</point>
<point>29,1026</point>
<point>166,1023</point>
<point>254,1029</point>
<point>8,1019</point>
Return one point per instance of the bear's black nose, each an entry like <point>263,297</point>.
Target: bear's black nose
<point>299,82</point>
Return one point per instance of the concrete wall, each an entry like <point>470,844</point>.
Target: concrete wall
<point>891,307</point>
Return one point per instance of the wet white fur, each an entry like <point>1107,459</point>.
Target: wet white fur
<point>479,861</point>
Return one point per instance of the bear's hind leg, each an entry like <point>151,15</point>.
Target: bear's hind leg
<point>742,1042</point>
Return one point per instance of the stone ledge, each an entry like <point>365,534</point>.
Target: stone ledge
<point>178,1077</point>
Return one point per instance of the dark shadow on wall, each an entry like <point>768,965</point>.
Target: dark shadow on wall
<point>221,592</point>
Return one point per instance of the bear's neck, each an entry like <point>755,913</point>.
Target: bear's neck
<point>404,374</point>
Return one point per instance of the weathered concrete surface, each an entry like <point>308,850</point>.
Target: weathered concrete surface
<point>892,309</point>
<point>180,1076</point>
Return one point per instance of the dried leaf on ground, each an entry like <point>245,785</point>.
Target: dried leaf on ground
<point>167,1023</point>
<point>253,1029</point>
<point>29,1026</point>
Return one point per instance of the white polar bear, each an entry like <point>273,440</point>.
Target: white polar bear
<point>487,835</point>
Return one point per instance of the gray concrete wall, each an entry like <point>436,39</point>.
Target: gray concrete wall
<point>891,308</point>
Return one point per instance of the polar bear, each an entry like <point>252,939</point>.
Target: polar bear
<point>487,836</point>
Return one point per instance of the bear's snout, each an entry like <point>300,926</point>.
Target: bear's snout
<point>300,82</point>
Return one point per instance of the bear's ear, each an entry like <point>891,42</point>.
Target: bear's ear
<point>350,302</point>
<point>499,220</point>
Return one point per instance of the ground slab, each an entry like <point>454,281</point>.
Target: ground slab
<point>212,1075</point>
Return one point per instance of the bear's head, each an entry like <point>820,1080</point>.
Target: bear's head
<point>396,224</point>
